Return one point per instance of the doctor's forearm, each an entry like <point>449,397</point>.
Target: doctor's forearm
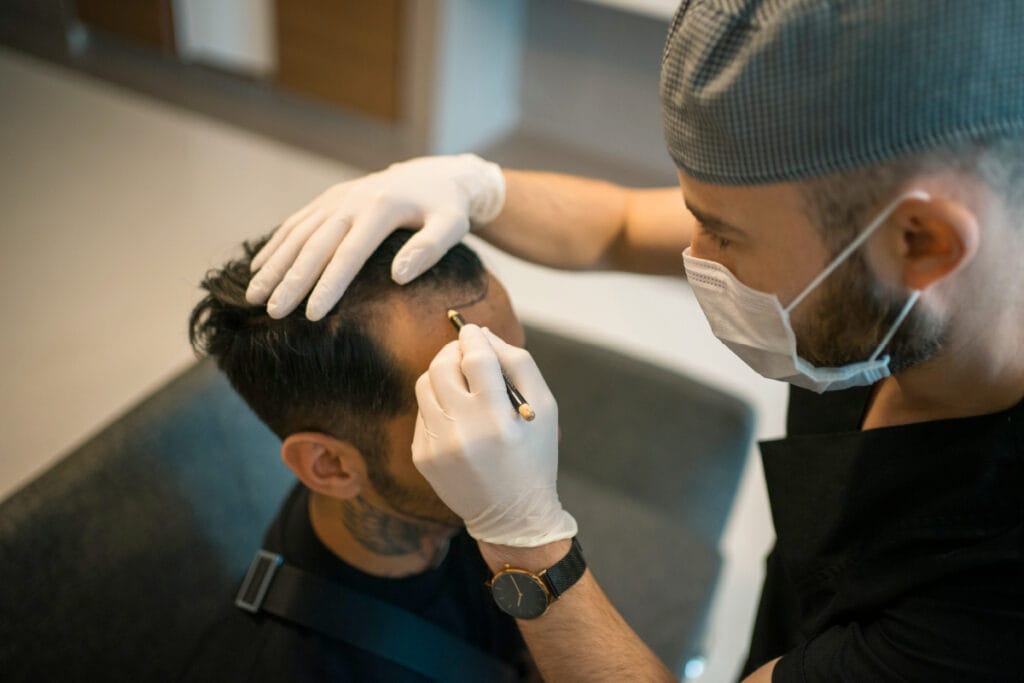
<point>581,637</point>
<point>577,223</point>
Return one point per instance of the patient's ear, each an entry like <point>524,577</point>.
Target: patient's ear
<point>325,464</point>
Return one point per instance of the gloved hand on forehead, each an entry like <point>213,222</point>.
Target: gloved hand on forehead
<point>328,241</point>
<point>492,468</point>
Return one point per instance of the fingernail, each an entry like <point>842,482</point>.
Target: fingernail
<point>314,310</point>
<point>256,290</point>
<point>273,307</point>
<point>405,267</point>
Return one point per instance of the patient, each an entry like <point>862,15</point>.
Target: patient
<point>340,394</point>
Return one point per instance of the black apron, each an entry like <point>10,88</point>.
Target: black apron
<point>899,550</point>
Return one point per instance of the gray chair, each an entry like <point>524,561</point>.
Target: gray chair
<point>649,464</point>
<point>115,559</point>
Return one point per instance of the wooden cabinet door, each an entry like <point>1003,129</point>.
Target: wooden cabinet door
<point>345,52</point>
<point>149,22</point>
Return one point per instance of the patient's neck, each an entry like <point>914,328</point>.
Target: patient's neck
<point>375,540</point>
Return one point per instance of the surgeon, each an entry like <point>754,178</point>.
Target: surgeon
<point>851,221</point>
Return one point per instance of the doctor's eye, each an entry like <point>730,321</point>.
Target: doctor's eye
<point>719,241</point>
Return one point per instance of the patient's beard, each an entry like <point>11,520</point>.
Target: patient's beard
<point>408,522</point>
<point>419,504</point>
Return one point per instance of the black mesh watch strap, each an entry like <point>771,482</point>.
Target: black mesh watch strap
<point>566,572</point>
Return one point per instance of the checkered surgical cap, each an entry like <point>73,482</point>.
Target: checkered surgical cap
<point>764,91</point>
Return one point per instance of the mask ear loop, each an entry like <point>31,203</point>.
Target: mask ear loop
<point>896,325</point>
<point>854,245</point>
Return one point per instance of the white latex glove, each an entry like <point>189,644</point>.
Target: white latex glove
<point>491,467</point>
<point>330,238</point>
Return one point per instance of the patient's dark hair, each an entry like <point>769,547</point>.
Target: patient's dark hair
<point>334,375</point>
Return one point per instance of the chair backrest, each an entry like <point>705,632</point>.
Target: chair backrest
<point>649,464</point>
<point>649,432</point>
<point>114,560</point>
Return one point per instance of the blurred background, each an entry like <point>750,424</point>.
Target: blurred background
<point>143,140</point>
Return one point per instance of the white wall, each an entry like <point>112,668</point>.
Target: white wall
<point>479,59</point>
<point>658,9</point>
<point>237,35</point>
<point>590,78</point>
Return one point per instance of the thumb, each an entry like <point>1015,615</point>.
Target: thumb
<point>420,445</point>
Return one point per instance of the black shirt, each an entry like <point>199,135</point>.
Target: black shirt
<point>899,552</point>
<point>259,647</point>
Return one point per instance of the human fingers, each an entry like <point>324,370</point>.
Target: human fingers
<point>440,232</point>
<point>308,265</point>
<point>446,378</point>
<point>425,457</point>
<point>269,276</point>
<point>264,253</point>
<point>426,400</point>
<point>480,366</point>
<point>282,231</point>
<point>420,440</point>
<point>369,229</point>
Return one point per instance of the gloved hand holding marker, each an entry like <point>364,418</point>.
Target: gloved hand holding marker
<point>518,402</point>
<point>493,469</point>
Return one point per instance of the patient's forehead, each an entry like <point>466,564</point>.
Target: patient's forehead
<point>417,327</point>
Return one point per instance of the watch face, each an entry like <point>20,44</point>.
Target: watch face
<point>520,594</point>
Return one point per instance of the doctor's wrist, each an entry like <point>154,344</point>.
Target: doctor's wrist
<point>531,559</point>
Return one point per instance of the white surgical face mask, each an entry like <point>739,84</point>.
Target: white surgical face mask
<point>756,326</point>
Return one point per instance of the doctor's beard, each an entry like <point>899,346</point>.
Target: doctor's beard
<point>850,318</point>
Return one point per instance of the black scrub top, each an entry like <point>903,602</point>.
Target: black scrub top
<point>899,552</point>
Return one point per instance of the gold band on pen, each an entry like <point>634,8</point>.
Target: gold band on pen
<point>514,395</point>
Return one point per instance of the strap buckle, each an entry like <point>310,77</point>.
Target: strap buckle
<point>257,580</point>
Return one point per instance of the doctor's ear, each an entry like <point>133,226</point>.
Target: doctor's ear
<point>325,464</point>
<point>926,240</point>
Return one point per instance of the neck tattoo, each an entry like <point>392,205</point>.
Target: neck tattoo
<point>378,531</point>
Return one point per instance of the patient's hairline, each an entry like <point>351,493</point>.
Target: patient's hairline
<point>480,297</point>
<point>338,315</point>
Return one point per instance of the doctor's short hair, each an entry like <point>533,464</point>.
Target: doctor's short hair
<point>335,375</point>
<point>842,204</point>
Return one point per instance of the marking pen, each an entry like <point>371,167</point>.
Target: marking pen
<point>518,402</point>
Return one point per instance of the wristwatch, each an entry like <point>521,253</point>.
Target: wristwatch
<point>526,595</point>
